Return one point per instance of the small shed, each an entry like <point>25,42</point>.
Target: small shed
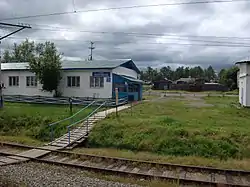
<point>244,82</point>
<point>164,84</point>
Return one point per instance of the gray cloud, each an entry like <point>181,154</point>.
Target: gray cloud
<point>229,19</point>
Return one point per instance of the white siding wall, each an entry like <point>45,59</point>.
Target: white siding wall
<point>244,85</point>
<point>243,69</point>
<point>22,89</point>
<point>125,71</point>
<point>84,90</point>
<point>242,91</point>
<point>248,90</point>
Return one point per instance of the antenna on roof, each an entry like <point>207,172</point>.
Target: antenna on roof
<point>91,50</point>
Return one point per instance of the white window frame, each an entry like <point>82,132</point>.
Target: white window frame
<point>31,81</point>
<point>73,81</point>
<point>13,81</point>
<point>96,82</point>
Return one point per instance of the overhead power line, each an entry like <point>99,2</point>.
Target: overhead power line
<point>56,29</point>
<point>145,43</point>
<point>150,35</point>
<point>124,7</point>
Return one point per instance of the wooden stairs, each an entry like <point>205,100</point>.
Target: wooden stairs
<point>78,134</point>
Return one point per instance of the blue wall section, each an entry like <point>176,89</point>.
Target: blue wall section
<point>121,81</point>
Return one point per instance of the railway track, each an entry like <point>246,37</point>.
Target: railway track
<point>143,169</point>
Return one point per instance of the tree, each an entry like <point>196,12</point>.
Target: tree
<point>47,66</point>
<point>197,72</point>
<point>6,57</point>
<point>166,72</point>
<point>209,73</point>
<point>222,76</point>
<point>231,77</point>
<point>44,61</point>
<point>186,72</point>
<point>228,77</point>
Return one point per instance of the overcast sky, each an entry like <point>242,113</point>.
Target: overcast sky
<point>168,23</point>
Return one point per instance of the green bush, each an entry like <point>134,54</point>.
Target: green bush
<point>32,120</point>
<point>174,128</point>
<point>32,126</point>
<point>165,140</point>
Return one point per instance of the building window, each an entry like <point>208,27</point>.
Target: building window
<point>14,81</point>
<point>31,81</point>
<point>121,87</point>
<point>73,81</point>
<point>133,88</point>
<point>96,82</point>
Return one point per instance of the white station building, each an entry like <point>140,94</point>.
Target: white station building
<point>244,82</point>
<point>92,79</point>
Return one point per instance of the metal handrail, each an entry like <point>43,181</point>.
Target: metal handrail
<point>119,100</point>
<point>82,120</point>
<point>88,115</point>
<point>65,119</point>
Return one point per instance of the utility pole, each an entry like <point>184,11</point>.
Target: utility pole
<point>20,28</point>
<point>91,50</point>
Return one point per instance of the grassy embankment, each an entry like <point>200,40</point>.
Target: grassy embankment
<point>28,123</point>
<point>185,133</point>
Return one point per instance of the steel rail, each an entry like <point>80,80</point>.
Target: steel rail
<point>147,174</point>
<point>212,169</point>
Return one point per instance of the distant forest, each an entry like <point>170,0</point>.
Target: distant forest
<point>226,77</point>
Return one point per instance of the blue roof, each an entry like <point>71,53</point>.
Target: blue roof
<point>131,79</point>
<point>66,65</point>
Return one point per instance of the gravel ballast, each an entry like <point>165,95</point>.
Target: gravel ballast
<point>38,174</point>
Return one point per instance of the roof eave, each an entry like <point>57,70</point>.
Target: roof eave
<point>243,62</point>
<point>130,60</point>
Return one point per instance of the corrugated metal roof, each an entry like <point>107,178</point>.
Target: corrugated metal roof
<point>189,79</point>
<point>14,66</point>
<point>132,79</point>
<point>105,64</point>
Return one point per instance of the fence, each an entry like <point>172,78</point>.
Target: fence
<point>61,100</point>
<point>180,94</point>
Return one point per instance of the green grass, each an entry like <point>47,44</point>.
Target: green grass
<point>168,91</point>
<point>21,140</point>
<point>29,122</point>
<point>172,127</point>
<point>234,92</point>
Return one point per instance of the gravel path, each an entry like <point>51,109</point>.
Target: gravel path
<point>36,174</point>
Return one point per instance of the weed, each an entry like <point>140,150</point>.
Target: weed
<point>32,120</point>
<point>171,128</point>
